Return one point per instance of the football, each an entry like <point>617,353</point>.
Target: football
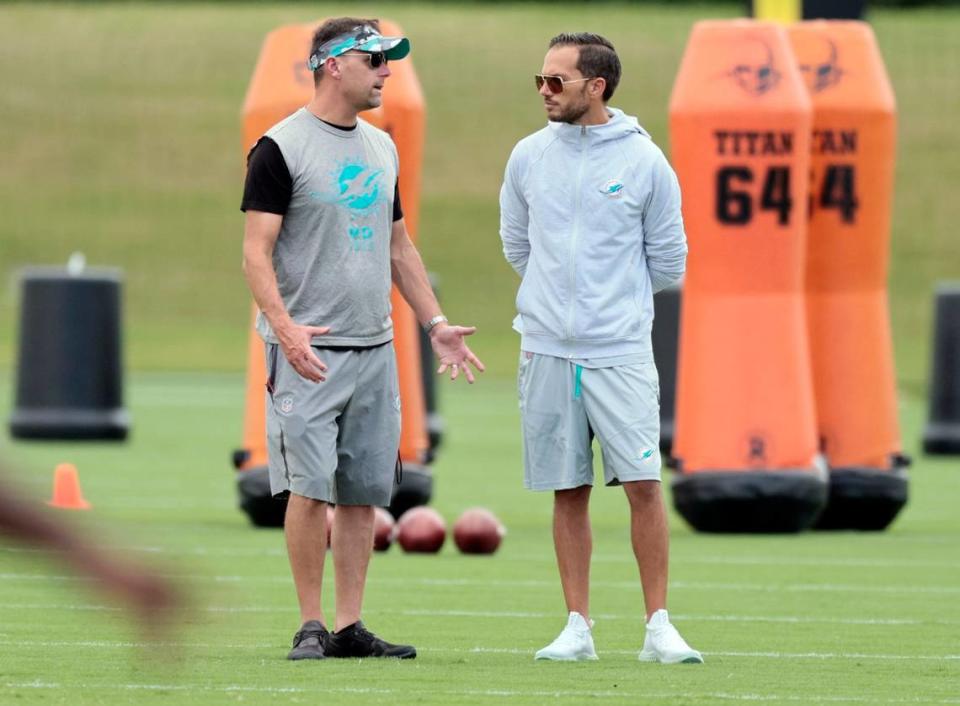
<point>421,529</point>
<point>478,531</point>
<point>383,529</point>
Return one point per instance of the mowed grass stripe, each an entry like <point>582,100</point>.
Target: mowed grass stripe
<point>851,561</point>
<point>498,693</point>
<point>121,645</point>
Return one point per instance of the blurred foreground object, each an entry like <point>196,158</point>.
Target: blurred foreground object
<point>152,599</point>
<point>745,437</point>
<point>384,528</point>
<point>848,253</point>
<point>69,363</point>
<point>942,433</point>
<point>281,84</point>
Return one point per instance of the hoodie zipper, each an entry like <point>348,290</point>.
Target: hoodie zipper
<point>576,232</point>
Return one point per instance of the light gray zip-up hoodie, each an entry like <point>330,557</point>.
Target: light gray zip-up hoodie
<point>590,219</point>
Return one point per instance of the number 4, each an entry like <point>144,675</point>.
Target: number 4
<point>839,192</point>
<point>776,193</point>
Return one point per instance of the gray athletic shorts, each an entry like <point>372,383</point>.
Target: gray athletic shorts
<point>336,440</point>
<point>564,405</point>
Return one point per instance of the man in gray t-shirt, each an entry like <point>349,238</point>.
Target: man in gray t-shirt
<point>324,238</point>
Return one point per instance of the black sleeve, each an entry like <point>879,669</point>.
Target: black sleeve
<point>269,186</point>
<point>397,210</point>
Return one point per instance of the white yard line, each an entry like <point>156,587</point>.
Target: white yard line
<point>121,645</point>
<point>679,559</point>
<point>815,587</point>
<point>319,689</point>
<point>107,644</point>
<point>539,583</point>
<point>858,562</point>
<point>193,551</point>
<point>686,617</point>
<point>431,613</point>
<point>766,655</point>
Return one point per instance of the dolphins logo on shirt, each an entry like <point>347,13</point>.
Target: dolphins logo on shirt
<point>612,188</point>
<point>359,187</point>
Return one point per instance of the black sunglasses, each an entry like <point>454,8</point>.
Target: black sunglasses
<point>376,58</point>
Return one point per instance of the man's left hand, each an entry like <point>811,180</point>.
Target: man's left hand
<point>452,351</point>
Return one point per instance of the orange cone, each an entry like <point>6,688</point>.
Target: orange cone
<point>66,489</point>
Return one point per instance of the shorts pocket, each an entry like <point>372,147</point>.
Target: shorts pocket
<point>544,444</point>
<point>644,380</point>
<point>523,368</point>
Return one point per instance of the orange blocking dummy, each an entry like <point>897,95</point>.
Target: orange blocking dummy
<point>848,251</point>
<point>745,435</point>
<point>282,83</point>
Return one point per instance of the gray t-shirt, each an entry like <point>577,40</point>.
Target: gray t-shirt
<point>332,257</point>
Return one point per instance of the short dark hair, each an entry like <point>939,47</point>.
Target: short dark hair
<point>597,58</point>
<point>334,28</point>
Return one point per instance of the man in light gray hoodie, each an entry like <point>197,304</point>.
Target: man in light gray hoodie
<point>590,220</point>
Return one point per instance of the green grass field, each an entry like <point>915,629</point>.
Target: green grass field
<point>122,139</point>
<point>860,618</point>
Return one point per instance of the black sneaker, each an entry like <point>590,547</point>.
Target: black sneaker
<point>356,641</point>
<point>310,642</point>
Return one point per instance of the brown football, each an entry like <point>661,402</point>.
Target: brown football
<point>383,527</point>
<point>478,531</point>
<point>421,529</point>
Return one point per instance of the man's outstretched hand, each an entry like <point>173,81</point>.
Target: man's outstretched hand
<point>452,351</point>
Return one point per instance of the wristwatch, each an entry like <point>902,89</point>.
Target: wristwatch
<point>438,319</point>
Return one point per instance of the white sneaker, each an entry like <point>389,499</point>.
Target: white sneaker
<point>664,644</point>
<point>574,643</point>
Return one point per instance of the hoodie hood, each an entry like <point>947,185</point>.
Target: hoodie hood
<point>618,126</point>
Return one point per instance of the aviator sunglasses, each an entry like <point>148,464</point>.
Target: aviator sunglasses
<point>376,58</point>
<point>555,84</point>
